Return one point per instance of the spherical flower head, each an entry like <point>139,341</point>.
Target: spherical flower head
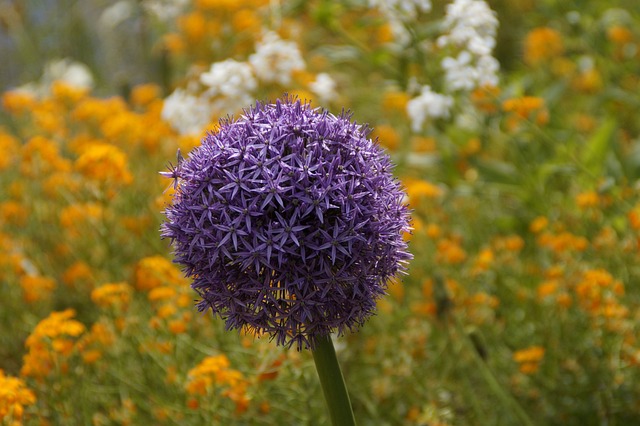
<point>289,221</point>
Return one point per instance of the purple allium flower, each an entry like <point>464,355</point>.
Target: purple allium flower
<point>289,222</point>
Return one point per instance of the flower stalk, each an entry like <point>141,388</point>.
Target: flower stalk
<point>332,382</point>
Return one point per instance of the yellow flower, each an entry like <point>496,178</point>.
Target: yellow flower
<point>161,293</point>
<point>483,261</point>
<point>387,136</point>
<point>418,189</point>
<point>193,26</point>
<point>14,396</point>
<point>64,93</point>
<point>51,338</point>
<point>79,272</point>
<point>10,148</point>
<point>529,358</point>
<point>619,35</point>
<point>37,287</point>
<point>525,108</point>
<point>143,94</point>
<point>450,252</point>
<point>75,217</point>
<point>213,373</point>
<point>117,295</point>
<point>155,271</point>
<point>40,156</point>
<point>542,44</point>
<point>395,101</point>
<point>587,199</point>
<point>538,224</point>
<point>104,163</point>
<point>547,288</point>
<point>13,213</point>
<point>18,102</point>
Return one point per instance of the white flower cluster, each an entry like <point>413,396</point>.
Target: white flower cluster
<point>187,113</point>
<point>428,104</point>
<point>68,71</point>
<point>324,86</point>
<point>232,82</point>
<point>401,9</point>
<point>471,26</point>
<point>229,85</point>
<point>165,10</point>
<point>276,59</point>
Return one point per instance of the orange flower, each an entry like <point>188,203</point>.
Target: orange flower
<point>526,108</point>
<point>104,163</point>
<point>387,136</point>
<point>52,337</point>
<point>395,101</point>
<point>542,44</point>
<point>587,199</point>
<point>538,224</point>
<point>619,35</point>
<point>529,358</point>
<point>14,396</point>
<point>450,251</point>
<point>37,287</point>
<point>116,295</point>
<point>486,98</point>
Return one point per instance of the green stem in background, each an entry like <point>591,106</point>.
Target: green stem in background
<point>333,386</point>
<point>505,398</point>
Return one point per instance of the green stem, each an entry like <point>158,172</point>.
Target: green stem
<point>333,386</point>
<point>507,399</point>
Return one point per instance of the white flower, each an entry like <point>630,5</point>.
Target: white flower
<point>115,14</point>
<point>165,10</point>
<point>471,26</point>
<point>72,73</point>
<point>187,113</point>
<point>428,105</point>
<point>325,87</point>
<point>232,80</point>
<point>276,59</point>
<point>402,9</point>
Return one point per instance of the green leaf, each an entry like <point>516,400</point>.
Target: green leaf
<point>596,149</point>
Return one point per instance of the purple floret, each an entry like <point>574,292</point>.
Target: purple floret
<point>289,221</point>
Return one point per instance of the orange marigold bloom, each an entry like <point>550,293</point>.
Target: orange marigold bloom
<point>547,288</point>
<point>155,271</point>
<point>18,102</point>
<point>417,189</point>
<point>59,327</point>
<point>36,287</point>
<point>485,98</point>
<point>104,163</point>
<point>542,44</point>
<point>619,35</point>
<point>116,295</point>
<point>66,93</point>
<point>634,218</point>
<point>14,396</point>
<point>449,251</point>
<point>523,106</point>
<point>387,136</point>
<point>587,199</point>
<point>529,358</point>
<point>76,273</point>
<point>193,26</point>
<point>144,94</point>
<point>538,224</point>
<point>10,148</point>
<point>484,260</point>
<point>395,101</point>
